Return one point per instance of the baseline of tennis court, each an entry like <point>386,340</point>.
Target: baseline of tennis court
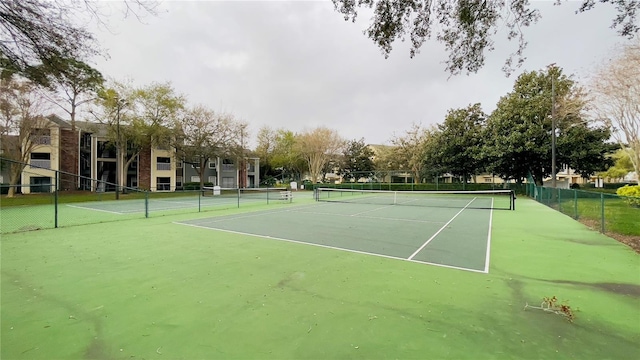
<point>451,237</point>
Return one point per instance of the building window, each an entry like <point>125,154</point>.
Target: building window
<point>179,165</point>
<point>41,160</point>
<point>40,184</point>
<point>212,164</point>
<point>227,164</point>
<point>178,181</point>
<point>163,183</point>
<point>41,137</point>
<point>228,182</point>
<point>212,179</point>
<point>195,179</point>
<point>163,163</point>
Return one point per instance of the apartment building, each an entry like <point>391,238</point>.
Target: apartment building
<point>87,151</point>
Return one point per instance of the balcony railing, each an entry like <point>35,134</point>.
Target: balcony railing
<point>163,166</point>
<point>41,140</point>
<point>40,164</point>
<point>228,167</point>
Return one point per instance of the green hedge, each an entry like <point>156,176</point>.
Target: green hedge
<point>194,185</point>
<point>631,194</point>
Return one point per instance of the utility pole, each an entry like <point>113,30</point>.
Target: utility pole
<point>553,132</point>
<point>119,104</point>
<point>552,73</point>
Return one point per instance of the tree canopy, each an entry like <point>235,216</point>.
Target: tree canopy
<point>459,142</point>
<point>357,161</point>
<point>465,27</point>
<point>519,131</point>
<point>37,37</point>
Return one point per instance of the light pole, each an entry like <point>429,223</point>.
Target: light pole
<point>553,134</point>
<point>119,104</point>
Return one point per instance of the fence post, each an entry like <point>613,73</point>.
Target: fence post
<point>146,204</point>
<point>55,199</point>
<point>602,212</point>
<point>575,204</point>
<point>199,196</point>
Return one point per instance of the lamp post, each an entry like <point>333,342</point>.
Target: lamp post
<point>119,105</point>
<point>553,133</point>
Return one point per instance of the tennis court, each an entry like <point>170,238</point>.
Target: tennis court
<point>444,229</point>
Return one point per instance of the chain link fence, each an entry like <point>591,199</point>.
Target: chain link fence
<point>45,198</point>
<point>602,211</point>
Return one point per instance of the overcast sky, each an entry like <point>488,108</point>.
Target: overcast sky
<point>298,65</point>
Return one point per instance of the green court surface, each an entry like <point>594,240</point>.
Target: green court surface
<point>310,280</point>
<point>453,237</point>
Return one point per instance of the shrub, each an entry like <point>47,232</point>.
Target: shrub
<point>631,194</point>
<point>575,186</point>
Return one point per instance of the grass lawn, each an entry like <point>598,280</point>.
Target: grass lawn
<point>152,289</point>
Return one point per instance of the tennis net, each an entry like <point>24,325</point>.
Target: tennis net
<point>480,199</point>
<point>271,193</point>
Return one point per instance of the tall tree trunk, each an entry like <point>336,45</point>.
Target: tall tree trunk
<point>14,176</point>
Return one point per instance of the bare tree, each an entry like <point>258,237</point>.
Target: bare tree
<point>22,126</point>
<point>410,150</point>
<point>204,135</point>
<point>37,37</point>
<point>616,87</point>
<point>318,147</point>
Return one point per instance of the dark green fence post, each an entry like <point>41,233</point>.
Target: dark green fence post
<point>575,204</point>
<point>602,212</point>
<point>238,198</point>
<point>199,196</point>
<point>55,199</point>
<point>146,204</point>
<point>559,199</point>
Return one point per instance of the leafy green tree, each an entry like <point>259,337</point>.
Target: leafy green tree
<point>357,161</point>
<point>460,142</point>
<point>75,84</point>
<point>518,134</point>
<point>622,166</point>
<point>465,27</point>
<point>286,156</point>
<point>409,151</point>
<point>586,149</point>
<point>264,150</point>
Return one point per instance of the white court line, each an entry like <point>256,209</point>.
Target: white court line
<point>376,209</point>
<point>330,247</point>
<point>439,231</point>
<point>488,255</point>
<point>89,208</point>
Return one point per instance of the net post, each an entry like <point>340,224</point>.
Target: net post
<point>268,189</point>
<point>602,213</point>
<point>55,198</point>
<point>513,200</point>
<point>146,203</point>
<point>200,193</point>
<point>238,198</point>
<point>575,204</point>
